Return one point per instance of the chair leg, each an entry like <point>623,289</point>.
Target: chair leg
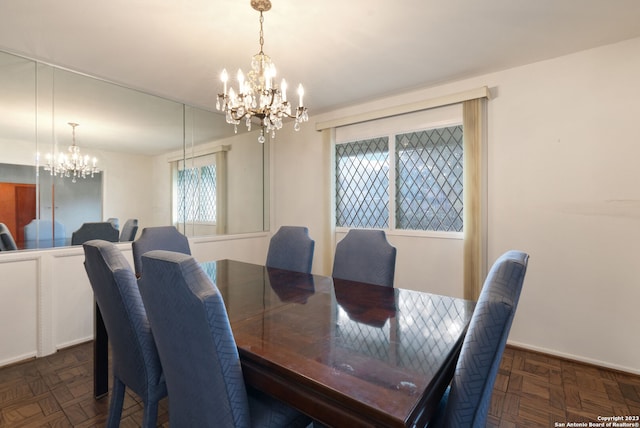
<point>150,414</point>
<point>115,406</point>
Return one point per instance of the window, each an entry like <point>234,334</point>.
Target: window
<point>429,180</point>
<point>362,183</point>
<point>196,191</point>
<point>424,189</point>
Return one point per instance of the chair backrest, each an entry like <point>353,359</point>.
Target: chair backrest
<point>484,343</point>
<point>365,256</point>
<point>129,230</point>
<point>158,238</point>
<point>114,221</point>
<point>43,230</point>
<point>7,243</point>
<point>135,358</point>
<point>196,346</point>
<point>291,248</point>
<point>103,230</point>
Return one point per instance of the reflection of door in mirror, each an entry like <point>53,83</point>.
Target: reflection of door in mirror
<point>17,207</point>
<point>25,207</point>
<point>17,198</point>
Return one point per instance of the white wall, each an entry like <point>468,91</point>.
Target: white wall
<point>563,186</point>
<point>126,180</point>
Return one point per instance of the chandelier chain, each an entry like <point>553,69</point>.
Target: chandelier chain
<point>261,34</point>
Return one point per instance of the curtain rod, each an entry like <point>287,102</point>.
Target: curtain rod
<point>472,94</point>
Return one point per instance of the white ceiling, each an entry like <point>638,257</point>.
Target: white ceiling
<point>343,51</point>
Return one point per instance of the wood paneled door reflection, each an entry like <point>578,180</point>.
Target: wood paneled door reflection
<point>17,207</point>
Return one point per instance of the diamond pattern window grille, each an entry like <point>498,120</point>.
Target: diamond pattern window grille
<point>429,180</point>
<point>207,194</point>
<point>187,184</point>
<point>362,183</point>
<point>197,194</point>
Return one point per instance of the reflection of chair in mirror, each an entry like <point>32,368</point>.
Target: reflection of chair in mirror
<point>291,286</point>
<point>466,402</point>
<point>158,238</point>
<point>99,230</point>
<point>198,352</point>
<point>129,230</point>
<point>7,242</point>
<point>291,248</point>
<point>365,256</point>
<point>136,364</point>
<point>43,230</point>
<point>375,310</point>
<point>114,221</point>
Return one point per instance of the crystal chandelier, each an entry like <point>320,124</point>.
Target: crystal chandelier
<point>258,95</point>
<point>72,165</point>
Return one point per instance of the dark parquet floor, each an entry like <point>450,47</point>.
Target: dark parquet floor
<point>531,390</point>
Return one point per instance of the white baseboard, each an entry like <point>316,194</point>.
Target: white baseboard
<point>577,358</point>
<point>17,359</point>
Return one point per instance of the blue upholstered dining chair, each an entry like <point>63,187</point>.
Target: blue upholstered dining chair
<point>43,230</point>
<point>365,256</point>
<point>198,351</point>
<point>7,243</point>
<point>103,230</point>
<point>136,364</point>
<point>466,401</point>
<point>291,248</point>
<point>158,238</point>
<point>129,230</point>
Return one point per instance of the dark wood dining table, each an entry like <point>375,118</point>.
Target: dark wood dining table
<point>345,353</point>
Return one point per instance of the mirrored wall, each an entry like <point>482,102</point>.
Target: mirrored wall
<point>148,158</point>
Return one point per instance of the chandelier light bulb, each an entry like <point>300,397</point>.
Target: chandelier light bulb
<point>300,95</point>
<point>224,77</point>
<point>240,78</point>
<point>283,88</point>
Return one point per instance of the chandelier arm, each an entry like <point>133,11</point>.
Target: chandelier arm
<point>235,116</point>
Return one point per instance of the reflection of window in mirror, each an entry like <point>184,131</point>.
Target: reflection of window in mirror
<point>199,196</point>
<point>196,187</point>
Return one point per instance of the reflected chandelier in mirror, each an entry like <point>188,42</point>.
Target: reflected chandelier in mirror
<point>73,165</point>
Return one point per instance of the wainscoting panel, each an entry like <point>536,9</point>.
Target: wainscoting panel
<point>19,308</point>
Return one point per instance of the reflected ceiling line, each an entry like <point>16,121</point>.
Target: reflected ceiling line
<point>108,108</point>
